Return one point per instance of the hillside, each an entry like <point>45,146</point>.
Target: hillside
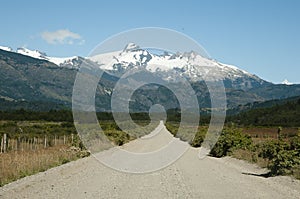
<point>284,112</point>
<point>36,83</point>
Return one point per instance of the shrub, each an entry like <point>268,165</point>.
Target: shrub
<point>296,172</point>
<point>199,138</point>
<point>172,127</point>
<point>67,124</point>
<point>283,156</point>
<point>271,148</point>
<point>295,144</point>
<point>230,140</point>
<point>283,162</point>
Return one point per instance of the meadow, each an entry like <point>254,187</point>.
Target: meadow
<point>29,147</point>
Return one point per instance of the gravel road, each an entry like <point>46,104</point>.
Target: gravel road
<point>189,177</point>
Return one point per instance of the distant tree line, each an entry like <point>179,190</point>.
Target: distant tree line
<point>66,115</point>
<point>287,115</point>
<point>28,115</point>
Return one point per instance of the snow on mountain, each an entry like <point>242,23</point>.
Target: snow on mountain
<point>131,56</point>
<point>63,60</point>
<point>131,47</point>
<point>70,62</point>
<point>286,82</point>
<point>189,64</point>
<point>168,65</point>
<point>106,60</point>
<point>32,53</point>
<point>6,48</point>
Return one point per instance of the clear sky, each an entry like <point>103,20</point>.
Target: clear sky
<point>262,36</point>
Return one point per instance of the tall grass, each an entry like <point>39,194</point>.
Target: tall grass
<point>25,157</point>
<point>18,164</point>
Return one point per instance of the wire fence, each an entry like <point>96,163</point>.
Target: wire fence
<point>33,143</point>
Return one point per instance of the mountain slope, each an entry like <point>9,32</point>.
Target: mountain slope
<point>26,79</point>
<point>23,78</point>
<point>9,49</point>
<point>70,62</point>
<point>261,104</point>
<point>284,112</point>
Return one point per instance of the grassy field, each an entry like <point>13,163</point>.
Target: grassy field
<point>35,146</point>
<point>18,164</point>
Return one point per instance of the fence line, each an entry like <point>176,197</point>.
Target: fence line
<point>25,143</point>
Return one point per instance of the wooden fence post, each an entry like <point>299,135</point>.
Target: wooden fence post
<point>34,143</point>
<point>4,143</point>
<point>8,144</point>
<point>38,140</point>
<point>21,144</point>
<point>16,142</point>
<point>45,142</point>
<point>1,145</point>
<point>31,143</point>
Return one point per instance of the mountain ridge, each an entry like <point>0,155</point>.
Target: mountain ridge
<point>27,79</point>
<point>59,61</point>
<point>193,66</point>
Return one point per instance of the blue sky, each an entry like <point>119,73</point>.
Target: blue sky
<point>262,37</point>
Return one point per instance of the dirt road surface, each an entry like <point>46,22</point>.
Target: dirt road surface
<point>188,177</point>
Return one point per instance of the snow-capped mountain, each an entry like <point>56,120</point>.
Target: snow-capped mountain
<point>32,53</point>
<point>286,82</point>
<point>188,64</point>
<point>6,48</point>
<point>168,65</point>
<point>34,80</point>
<point>69,62</point>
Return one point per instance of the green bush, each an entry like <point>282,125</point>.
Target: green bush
<point>172,127</point>
<point>295,144</point>
<point>230,140</point>
<point>199,138</point>
<point>271,148</point>
<point>67,124</point>
<point>284,162</point>
<point>284,156</point>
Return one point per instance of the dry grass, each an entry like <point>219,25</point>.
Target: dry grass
<point>269,132</point>
<point>250,156</point>
<point>18,164</point>
<point>296,172</point>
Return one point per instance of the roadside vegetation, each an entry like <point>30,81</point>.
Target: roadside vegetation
<point>276,137</point>
<point>34,146</point>
<point>28,147</point>
<point>269,137</point>
<point>275,150</point>
<point>37,141</point>
<point>279,153</point>
<point>32,142</point>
